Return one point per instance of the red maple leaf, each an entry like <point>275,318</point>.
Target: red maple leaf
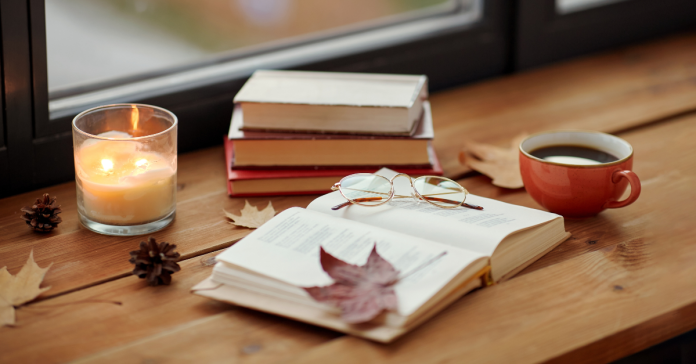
<point>361,292</point>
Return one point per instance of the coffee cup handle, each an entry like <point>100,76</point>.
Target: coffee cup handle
<point>635,189</point>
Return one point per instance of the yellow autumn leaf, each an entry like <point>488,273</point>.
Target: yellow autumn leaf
<point>502,165</point>
<point>250,216</point>
<point>20,289</point>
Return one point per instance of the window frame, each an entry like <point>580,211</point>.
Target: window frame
<point>543,35</point>
<point>511,35</point>
<point>17,157</point>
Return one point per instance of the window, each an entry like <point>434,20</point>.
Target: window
<point>93,41</point>
<point>389,26</point>
<point>450,41</point>
<point>164,52</point>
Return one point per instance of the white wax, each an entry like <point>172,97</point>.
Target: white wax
<point>122,184</point>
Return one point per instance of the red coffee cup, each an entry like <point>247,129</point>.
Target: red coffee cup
<point>565,187</point>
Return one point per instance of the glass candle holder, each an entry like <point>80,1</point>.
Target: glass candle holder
<point>125,168</point>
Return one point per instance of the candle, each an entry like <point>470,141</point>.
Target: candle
<point>122,185</point>
<point>125,168</point>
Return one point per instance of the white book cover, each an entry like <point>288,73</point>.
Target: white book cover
<point>332,88</point>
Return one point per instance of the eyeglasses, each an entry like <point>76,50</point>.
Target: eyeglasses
<point>367,189</point>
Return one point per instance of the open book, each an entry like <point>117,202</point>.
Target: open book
<point>266,269</point>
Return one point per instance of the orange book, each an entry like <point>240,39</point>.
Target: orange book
<point>301,150</point>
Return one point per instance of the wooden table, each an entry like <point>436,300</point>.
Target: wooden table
<point>626,279</point>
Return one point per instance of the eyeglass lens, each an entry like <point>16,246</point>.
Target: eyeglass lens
<point>440,191</point>
<point>366,189</point>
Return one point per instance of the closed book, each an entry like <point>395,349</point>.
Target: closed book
<point>245,183</point>
<point>332,102</point>
<point>264,150</point>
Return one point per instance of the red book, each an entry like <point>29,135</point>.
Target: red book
<point>246,183</point>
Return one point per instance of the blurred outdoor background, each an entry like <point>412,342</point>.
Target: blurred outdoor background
<point>92,41</point>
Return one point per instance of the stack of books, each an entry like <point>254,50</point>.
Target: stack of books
<point>300,132</point>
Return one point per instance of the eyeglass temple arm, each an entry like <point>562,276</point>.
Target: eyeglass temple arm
<point>367,199</point>
<point>468,205</point>
<point>364,199</point>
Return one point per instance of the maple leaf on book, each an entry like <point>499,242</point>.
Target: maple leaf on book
<point>250,216</point>
<point>20,289</point>
<point>361,292</point>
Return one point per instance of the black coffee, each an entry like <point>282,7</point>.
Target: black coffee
<point>571,154</point>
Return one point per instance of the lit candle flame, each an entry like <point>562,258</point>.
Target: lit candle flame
<point>135,116</point>
<point>107,165</point>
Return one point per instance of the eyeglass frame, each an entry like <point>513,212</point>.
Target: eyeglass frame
<point>417,196</point>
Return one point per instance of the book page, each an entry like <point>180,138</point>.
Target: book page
<point>287,249</point>
<point>477,230</point>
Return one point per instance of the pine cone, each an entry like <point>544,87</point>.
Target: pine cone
<point>155,262</point>
<point>42,216</point>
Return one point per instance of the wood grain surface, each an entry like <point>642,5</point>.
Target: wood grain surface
<point>626,279</point>
<point>612,92</point>
<point>640,278</point>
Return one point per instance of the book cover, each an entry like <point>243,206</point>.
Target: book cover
<point>330,102</point>
<point>260,150</point>
<point>423,130</point>
<point>332,88</point>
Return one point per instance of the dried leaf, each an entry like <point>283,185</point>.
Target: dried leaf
<point>361,292</point>
<point>20,289</point>
<point>502,165</point>
<point>250,216</point>
<point>7,315</point>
